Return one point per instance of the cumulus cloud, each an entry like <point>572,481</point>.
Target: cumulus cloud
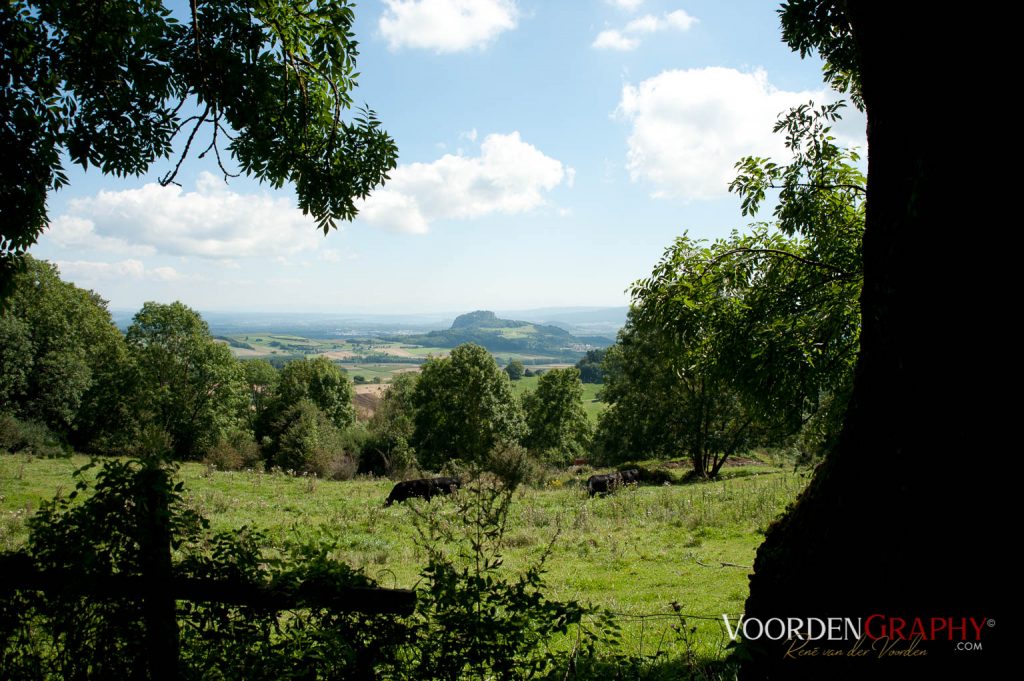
<point>90,270</point>
<point>508,177</point>
<point>628,5</point>
<point>614,40</point>
<point>210,222</point>
<point>446,25</point>
<point>688,128</point>
<point>628,38</point>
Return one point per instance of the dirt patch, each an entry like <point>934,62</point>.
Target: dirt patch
<point>370,389</point>
<point>366,403</point>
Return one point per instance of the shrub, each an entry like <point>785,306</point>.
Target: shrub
<point>64,636</point>
<point>472,620</point>
<point>234,451</point>
<point>29,437</point>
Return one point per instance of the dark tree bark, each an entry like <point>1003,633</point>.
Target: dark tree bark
<point>899,516</point>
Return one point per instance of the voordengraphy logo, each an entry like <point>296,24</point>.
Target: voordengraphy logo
<point>878,634</point>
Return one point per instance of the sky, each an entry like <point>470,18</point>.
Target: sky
<point>549,152</point>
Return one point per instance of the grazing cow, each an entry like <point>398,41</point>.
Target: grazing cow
<point>422,489</point>
<point>609,482</point>
<point>629,475</point>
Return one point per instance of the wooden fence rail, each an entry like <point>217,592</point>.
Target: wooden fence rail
<point>158,588</point>
<point>19,573</point>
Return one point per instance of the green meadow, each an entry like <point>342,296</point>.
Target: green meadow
<point>634,552</point>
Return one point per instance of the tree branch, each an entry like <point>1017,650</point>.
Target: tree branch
<point>169,177</point>
<point>822,187</point>
<point>843,274</point>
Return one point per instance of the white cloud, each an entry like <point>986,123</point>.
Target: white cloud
<point>690,127</point>
<point>74,232</point>
<point>508,177</point>
<point>211,222</point>
<point>91,271</point>
<point>446,25</point>
<point>679,20</point>
<point>628,5</point>
<point>628,38</point>
<point>613,40</point>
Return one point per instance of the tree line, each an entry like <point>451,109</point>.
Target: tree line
<point>70,380</point>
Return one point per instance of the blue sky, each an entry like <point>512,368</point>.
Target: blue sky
<point>548,153</point>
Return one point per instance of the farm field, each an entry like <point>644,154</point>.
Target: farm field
<point>634,552</point>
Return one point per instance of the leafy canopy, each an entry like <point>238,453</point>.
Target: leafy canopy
<point>751,337</point>
<point>189,385</point>
<point>559,427</point>
<point>115,84</point>
<point>464,408</point>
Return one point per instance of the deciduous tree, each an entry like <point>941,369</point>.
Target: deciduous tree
<point>189,384</point>
<point>115,84</point>
<point>64,362</point>
<point>464,407</point>
<point>898,506</point>
<point>559,429</point>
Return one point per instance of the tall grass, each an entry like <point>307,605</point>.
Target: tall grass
<point>634,552</point>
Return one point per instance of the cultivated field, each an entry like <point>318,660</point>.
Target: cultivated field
<point>634,552</point>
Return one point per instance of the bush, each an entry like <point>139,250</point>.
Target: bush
<point>29,437</point>
<point>64,636</point>
<point>234,452</point>
<point>386,456</point>
<point>472,620</point>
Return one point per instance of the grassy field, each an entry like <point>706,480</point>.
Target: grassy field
<point>385,371</point>
<point>634,552</point>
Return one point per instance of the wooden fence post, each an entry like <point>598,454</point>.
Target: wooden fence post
<point>159,606</point>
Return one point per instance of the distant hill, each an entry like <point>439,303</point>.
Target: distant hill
<point>579,321</point>
<point>508,335</point>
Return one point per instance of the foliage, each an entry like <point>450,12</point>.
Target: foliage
<point>29,437</point>
<point>62,360</point>
<point>464,407</point>
<point>262,379</point>
<point>234,450</point>
<point>514,369</point>
<point>321,382</point>
<point>810,26</point>
<point>387,452</point>
<point>268,81</point>
<point>754,335</point>
<point>189,385</point>
<point>662,405</point>
<point>471,620</point>
<point>590,366</point>
<point>307,441</point>
<point>58,635</point>
<point>559,427</point>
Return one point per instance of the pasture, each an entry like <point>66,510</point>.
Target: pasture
<point>634,552</point>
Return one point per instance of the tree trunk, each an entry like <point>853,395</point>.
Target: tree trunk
<point>897,518</point>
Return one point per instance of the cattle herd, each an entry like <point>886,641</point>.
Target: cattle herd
<point>427,488</point>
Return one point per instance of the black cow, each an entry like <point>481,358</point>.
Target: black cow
<point>421,489</point>
<point>609,482</point>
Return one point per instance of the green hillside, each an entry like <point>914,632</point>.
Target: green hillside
<point>506,335</point>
